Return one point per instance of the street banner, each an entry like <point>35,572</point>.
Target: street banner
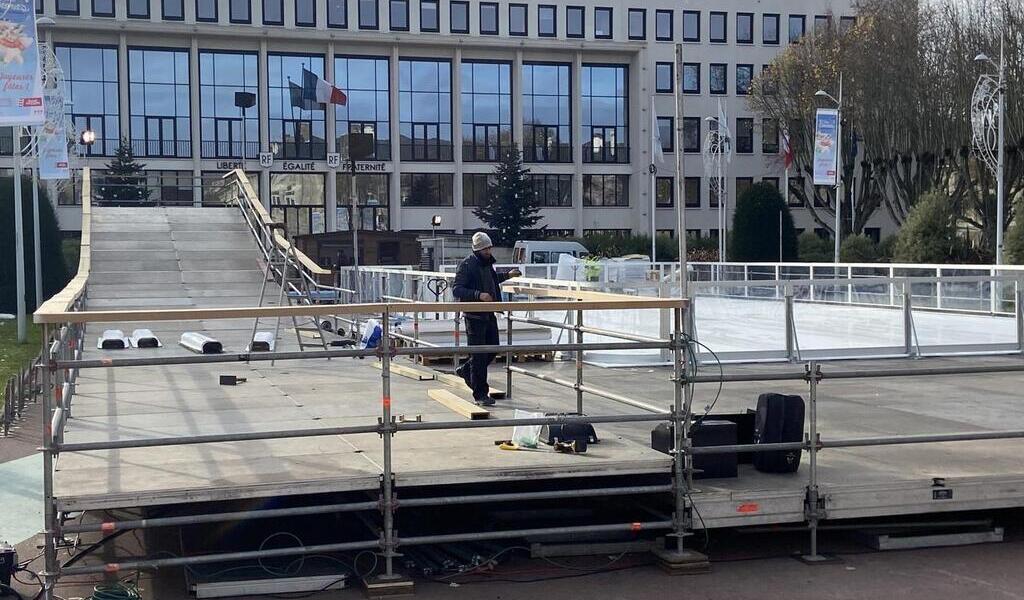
<point>53,152</point>
<point>21,88</point>
<point>826,146</point>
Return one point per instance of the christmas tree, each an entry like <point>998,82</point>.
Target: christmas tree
<point>125,181</point>
<point>511,206</point>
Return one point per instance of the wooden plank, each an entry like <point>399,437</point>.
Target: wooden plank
<point>459,405</point>
<point>457,382</point>
<point>63,300</point>
<point>414,374</point>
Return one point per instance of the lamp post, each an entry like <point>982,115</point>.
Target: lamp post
<point>839,163</point>
<point>435,222</point>
<point>1001,91</point>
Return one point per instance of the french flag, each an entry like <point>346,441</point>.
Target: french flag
<point>318,90</point>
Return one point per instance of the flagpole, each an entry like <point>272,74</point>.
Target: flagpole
<point>680,183</point>
<point>654,206</point>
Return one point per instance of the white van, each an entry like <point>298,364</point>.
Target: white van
<point>533,252</point>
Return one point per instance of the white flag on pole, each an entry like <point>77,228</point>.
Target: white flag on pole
<point>657,154</point>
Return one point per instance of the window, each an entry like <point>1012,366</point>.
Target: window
<point>845,25</point>
<point>605,105</point>
<point>138,9</point>
<point>794,193</point>
<point>796,28</point>
<point>574,21</point>
<point>517,19</point>
<point>873,233</point>
<point>770,29</point>
<point>298,199</point>
<point>39,8</point>
<point>693,234</point>
<point>823,233</point>
<point>368,14</point>
<point>90,78</point>
<point>426,189</point>
<point>305,13</point>
<point>663,77</point>
<point>663,25</point>
<point>240,11</point>
<point>768,83</point>
<point>459,16</point>
<point>769,136</point>
<point>717,83</point>
<point>547,112</point>
<point>603,23</point>
<point>772,181</point>
<point>398,15</point>
<point>372,194</point>
<point>474,188</point>
<point>224,133</point>
<point>606,190</point>
<point>169,187</point>
<point>337,13</point>
<point>691,26</point>
<point>158,96</point>
<point>547,20</point>
<point>691,134</point>
<point>217,191</point>
<point>488,18</point>
<point>102,8</point>
<point>742,185</point>
<point>744,77</point>
<point>692,192</point>
<point>719,27</point>
<point>366,82</point>
<point>714,196</point>
<point>553,191</point>
<point>173,10</point>
<point>744,28</point>
<point>425,98</point>
<point>486,110</point>
<point>206,10</point>
<point>691,78</point>
<point>273,12</point>
<point>822,23</point>
<point>744,135</point>
<point>637,23</point>
<point>430,16</point>
<point>297,121</point>
<point>616,232</point>
<point>664,192</point>
<point>666,133</point>
<point>67,7</point>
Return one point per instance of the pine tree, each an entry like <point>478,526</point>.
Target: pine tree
<point>511,206</point>
<point>125,181</point>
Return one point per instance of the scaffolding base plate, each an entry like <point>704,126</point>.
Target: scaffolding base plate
<point>388,587</point>
<point>818,559</point>
<point>687,562</point>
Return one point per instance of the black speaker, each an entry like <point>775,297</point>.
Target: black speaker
<point>360,146</point>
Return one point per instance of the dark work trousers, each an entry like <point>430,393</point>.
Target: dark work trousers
<point>481,330</point>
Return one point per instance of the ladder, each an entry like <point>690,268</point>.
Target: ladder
<point>294,288</point>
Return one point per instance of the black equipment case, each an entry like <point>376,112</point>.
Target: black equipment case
<point>780,419</point>
<point>707,433</point>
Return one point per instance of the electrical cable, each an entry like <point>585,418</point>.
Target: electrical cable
<point>721,375</point>
<point>116,591</point>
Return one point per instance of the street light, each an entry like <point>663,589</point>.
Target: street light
<point>88,138</point>
<point>982,143</point>
<point>839,162</point>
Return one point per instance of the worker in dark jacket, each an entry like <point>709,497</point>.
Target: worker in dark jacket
<point>477,281</point>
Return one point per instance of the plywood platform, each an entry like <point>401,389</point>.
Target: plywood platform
<point>141,402</point>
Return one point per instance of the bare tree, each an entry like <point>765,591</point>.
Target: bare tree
<point>908,73</point>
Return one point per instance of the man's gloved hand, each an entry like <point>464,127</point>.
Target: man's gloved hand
<point>515,273</point>
<point>485,297</point>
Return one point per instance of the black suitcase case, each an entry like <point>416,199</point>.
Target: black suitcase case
<point>581,433</point>
<point>780,419</point>
<point>708,433</point>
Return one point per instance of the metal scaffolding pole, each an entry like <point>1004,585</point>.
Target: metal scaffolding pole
<point>49,574</point>
<point>387,423</point>
<point>508,355</point>
<point>579,361</point>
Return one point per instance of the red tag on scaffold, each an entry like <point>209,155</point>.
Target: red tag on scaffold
<point>386,401</point>
<point>58,391</point>
<point>747,508</point>
<point>635,527</point>
<point>111,568</point>
<point>107,527</point>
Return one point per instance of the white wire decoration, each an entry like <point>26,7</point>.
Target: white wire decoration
<point>985,121</point>
<point>717,154</point>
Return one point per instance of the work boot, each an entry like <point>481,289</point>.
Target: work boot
<point>485,401</point>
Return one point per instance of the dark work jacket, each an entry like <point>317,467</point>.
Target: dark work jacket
<point>476,274</point>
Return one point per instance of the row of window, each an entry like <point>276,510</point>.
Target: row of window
<point>160,111</point>
<point>718,78</point>
<point>665,190</point>
<point>488,21</point>
<point>742,139</point>
<point>552,190</point>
